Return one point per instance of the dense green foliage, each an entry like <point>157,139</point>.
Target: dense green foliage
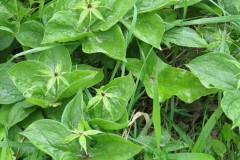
<point>119,79</point>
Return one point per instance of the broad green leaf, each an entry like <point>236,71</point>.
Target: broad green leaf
<point>190,156</point>
<point>110,42</point>
<point>6,40</point>
<point>58,55</point>
<point>34,84</point>
<point>62,27</point>
<point>80,79</point>
<point>230,105</point>
<point>151,5</point>
<point>188,3</point>
<point>110,125</point>
<point>122,89</point>
<point>73,112</point>
<point>171,80</point>
<point>149,28</point>
<point>218,147</point>
<point>184,36</point>
<point>226,131</point>
<point>5,12</point>
<point>8,92</point>
<point>110,146</point>
<point>26,77</point>
<point>48,136</point>
<point>5,25</point>
<point>69,156</point>
<point>12,114</point>
<point>30,34</point>
<point>216,71</point>
<point>112,12</point>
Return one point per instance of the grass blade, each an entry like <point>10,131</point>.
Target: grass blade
<point>223,19</point>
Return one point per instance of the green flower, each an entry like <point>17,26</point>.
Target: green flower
<point>89,8</point>
<point>103,96</point>
<point>81,134</point>
<point>55,75</point>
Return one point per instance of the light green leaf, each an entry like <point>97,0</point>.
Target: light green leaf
<point>97,14</point>
<point>216,71</point>
<point>62,27</point>
<point>171,80</point>
<point>12,114</point>
<point>8,92</point>
<point>110,146</point>
<point>70,138</point>
<point>83,142</point>
<point>230,105</point>
<point>31,34</point>
<point>92,132</point>
<point>48,136</point>
<point>110,42</point>
<point>184,36</point>
<point>83,16</point>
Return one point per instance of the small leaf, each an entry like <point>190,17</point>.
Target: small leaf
<point>50,84</point>
<point>92,132</point>
<point>93,102</point>
<point>80,5</point>
<point>83,16</point>
<point>97,14</point>
<point>81,126</point>
<point>64,80</point>
<point>107,105</point>
<point>83,142</point>
<point>70,138</point>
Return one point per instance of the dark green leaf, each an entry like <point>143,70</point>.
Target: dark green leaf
<point>110,146</point>
<point>171,80</point>
<point>184,36</point>
<point>149,28</point>
<point>73,112</point>
<point>62,27</point>
<point>8,92</point>
<point>230,105</point>
<point>48,136</point>
<point>58,55</point>
<point>30,34</point>
<point>12,114</point>
<point>110,42</point>
<point>114,12</point>
<point>216,71</point>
